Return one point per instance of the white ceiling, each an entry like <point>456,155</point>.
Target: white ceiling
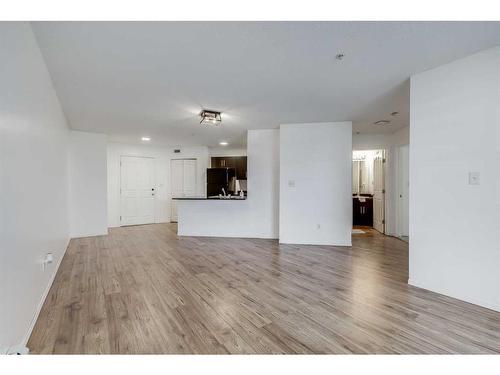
<point>131,79</point>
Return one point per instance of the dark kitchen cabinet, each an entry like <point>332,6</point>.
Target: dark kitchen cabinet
<point>362,212</point>
<point>241,168</point>
<point>239,163</point>
<point>222,162</point>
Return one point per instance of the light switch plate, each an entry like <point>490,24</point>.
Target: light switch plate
<point>474,178</point>
<point>291,183</point>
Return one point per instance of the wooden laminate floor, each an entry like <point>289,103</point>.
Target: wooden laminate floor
<point>144,290</point>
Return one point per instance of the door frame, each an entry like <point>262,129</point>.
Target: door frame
<point>398,189</point>
<point>387,155</point>
<point>120,186</point>
<point>384,191</point>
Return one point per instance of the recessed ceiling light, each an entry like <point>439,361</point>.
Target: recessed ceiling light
<point>395,113</point>
<point>210,117</point>
<point>223,143</point>
<point>340,56</point>
<point>381,122</point>
<point>147,139</point>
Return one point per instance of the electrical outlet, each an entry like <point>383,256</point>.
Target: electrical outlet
<point>474,178</point>
<point>48,259</point>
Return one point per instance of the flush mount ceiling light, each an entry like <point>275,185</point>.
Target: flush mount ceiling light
<point>223,143</point>
<point>210,117</point>
<point>381,122</point>
<point>147,139</point>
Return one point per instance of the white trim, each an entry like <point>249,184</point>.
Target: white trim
<point>448,293</point>
<point>338,244</point>
<point>26,338</point>
<point>397,190</point>
<point>16,349</point>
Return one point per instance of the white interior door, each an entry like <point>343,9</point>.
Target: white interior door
<point>137,190</point>
<point>189,178</point>
<point>379,193</point>
<point>403,190</point>
<point>177,178</point>
<point>177,183</point>
<point>183,182</point>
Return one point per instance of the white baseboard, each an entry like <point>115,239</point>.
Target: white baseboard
<point>309,243</point>
<point>24,343</point>
<point>16,349</point>
<point>89,234</point>
<point>448,293</point>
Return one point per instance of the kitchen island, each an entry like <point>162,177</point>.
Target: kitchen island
<point>257,216</point>
<point>230,198</point>
<point>224,217</point>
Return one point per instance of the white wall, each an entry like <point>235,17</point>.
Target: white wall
<point>33,182</point>
<point>455,226</point>
<point>256,217</point>
<point>87,184</point>
<point>381,141</point>
<point>315,183</point>
<point>162,156</point>
<point>388,142</point>
<point>214,152</point>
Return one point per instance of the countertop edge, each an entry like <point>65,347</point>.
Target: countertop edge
<point>209,199</point>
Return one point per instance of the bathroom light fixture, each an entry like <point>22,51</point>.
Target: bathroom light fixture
<point>210,117</point>
<point>223,143</point>
<point>147,139</point>
<point>381,122</point>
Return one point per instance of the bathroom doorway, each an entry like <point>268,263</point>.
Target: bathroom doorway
<point>368,190</point>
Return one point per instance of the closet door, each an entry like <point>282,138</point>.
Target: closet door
<point>177,185</point>
<point>183,182</point>
<point>189,178</point>
<point>177,178</point>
